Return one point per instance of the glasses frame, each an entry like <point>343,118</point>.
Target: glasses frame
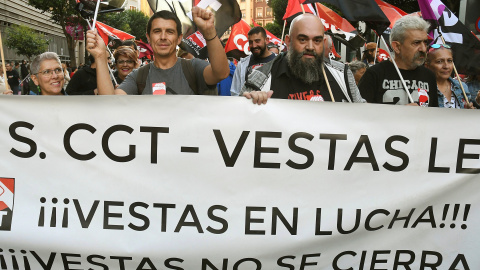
<point>48,73</point>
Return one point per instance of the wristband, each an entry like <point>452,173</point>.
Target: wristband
<point>211,38</point>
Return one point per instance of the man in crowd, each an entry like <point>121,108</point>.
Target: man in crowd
<point>273,48</point>
<point>84,81</point>
<point>369,54</point>
<point>298,73</point>
<point>167,73</point>
<point>12,78</point>
<point>382,84</point>
<point>257,43</point>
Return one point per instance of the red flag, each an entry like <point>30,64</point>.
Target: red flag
<point>110,35</point>
<point>392,12</point>
<point>331,19</point>
<point>237,44</point>
<point>294,9</point>
<point>382,55</point>
<point>272,38</point>
<point>144,49</point>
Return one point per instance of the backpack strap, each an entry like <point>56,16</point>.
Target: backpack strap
<point>347,83</point>
<point>142,78</point>
<point>189,72</point>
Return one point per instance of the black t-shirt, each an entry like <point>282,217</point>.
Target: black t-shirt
<point>381,84</point>
<point>255,63</point>
<point>286,86</point>
<point>14,80</point>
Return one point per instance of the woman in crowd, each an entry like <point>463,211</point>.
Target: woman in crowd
<point>47,75</point>
<point>450,95</point>
<point>125,61</point>
<point>358,68</point>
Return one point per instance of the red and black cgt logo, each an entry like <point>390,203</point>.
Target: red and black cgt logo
<point>6,203</point>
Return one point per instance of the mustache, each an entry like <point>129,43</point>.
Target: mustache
<point>312,53</point>
<point>418,54</point>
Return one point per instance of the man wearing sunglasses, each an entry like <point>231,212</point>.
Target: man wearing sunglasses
<point>382,84</point>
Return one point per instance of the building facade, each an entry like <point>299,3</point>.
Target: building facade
<point>256,10</point>
<point>19,12</point>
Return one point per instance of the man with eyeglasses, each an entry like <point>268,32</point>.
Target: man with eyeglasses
<point>382,84</point>
<point>13,76</point>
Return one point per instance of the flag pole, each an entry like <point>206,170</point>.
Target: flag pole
<point>328,84</point>
<point>456,73</point>
<point>301,5</point>
<point>283,31</point>
<point>378,46</point>
<point>95,14</point>
<point>399,74</point>
<point>106,45</point>
<point>3,65</point>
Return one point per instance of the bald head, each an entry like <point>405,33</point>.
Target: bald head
<point>306,20</point>
<point>305,48</point>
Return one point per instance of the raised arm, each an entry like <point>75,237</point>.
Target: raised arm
<point>218,68</point>
<point>97,48</point>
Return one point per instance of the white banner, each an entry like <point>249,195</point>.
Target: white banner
<point>195,182</point>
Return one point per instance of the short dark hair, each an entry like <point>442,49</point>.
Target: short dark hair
<point>166,15</point>
<point>256,30</point>
<point>130,43</point>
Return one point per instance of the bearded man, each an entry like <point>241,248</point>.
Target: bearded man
<point>257,43</point>
<point>298,73</point>
<point>382,84</point>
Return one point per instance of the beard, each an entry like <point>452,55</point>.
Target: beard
<point>260,52</point>
<point>307,70</point>
<point>417,60</point>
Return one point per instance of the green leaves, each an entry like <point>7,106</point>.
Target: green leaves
<point>25,41</point>
<point>130,21</point>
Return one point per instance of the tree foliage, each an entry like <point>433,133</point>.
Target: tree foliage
<point>25,41</point>
<point>275,29</point>
<point>60,12</point>
<point>131,21</point>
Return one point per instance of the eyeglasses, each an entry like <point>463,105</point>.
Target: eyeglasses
<point>49,72</point>
<point>121,62</point>
<point>438,46</point>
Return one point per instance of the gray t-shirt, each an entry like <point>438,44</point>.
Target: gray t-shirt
<point>166,81</point>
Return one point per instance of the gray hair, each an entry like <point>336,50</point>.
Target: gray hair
<point>35,66</point>
<point>328,41</point>
<point>409,22</point>
<point>356,66</point>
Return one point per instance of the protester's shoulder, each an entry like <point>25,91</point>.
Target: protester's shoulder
<point>337,64</point>
<point>198,63</point>
<point>245,59</point>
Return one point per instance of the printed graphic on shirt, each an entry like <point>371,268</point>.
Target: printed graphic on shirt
<point>395,94</point>
<point>312,95</point>
<point>159,88</point>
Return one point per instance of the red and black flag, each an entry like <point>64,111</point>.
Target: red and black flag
<point>465,45</point>
<point>392,12</point>
<point>111,36</point>
<point>360,10</point>
<point>294,9</point>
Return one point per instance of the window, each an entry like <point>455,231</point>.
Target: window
<point>268,12</point>
<point>244,15</point>
<point>259,12</point>
<point>258,1</point>
<point>133,8</point>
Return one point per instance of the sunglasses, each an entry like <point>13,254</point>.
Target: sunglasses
<point>438,46</point>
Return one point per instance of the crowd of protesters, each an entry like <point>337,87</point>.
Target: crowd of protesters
<point>304,71</point>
